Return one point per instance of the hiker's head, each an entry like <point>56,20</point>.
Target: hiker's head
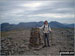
<point>46,22</point>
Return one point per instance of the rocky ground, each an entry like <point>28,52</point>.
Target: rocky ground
<point>16,42</point>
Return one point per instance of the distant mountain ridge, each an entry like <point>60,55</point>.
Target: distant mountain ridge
<point>53,24</point>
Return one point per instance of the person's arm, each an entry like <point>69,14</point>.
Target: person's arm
<point>50,29</point>
<point>41,27</point>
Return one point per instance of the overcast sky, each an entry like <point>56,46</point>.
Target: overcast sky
<point>29,11</point>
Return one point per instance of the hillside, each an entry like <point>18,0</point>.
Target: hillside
<point>15,42</point>
<point>22,25</point>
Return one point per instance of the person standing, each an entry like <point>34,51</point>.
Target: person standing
<point>46,30</point>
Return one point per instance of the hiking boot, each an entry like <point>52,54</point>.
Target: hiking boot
<point>44,46</point>
<point>48,45</point>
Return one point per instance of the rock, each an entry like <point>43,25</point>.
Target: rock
<point>23,46</point>
<point>35,39</point>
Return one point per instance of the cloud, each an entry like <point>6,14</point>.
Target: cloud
<point>27,11</point>
<point>54,15</point>
<point>31,5</point>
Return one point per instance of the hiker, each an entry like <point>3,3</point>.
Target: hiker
<point>46,30</point>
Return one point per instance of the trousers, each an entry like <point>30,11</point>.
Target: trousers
<point>46,39</point>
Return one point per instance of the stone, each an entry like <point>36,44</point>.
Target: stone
<point>35,39</point>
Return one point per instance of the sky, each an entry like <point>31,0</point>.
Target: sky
<point>16,11</point>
